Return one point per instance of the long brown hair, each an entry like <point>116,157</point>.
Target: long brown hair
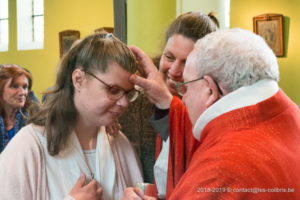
<point>58,113</point>
<point>12,71</point>
<point>193,25</point>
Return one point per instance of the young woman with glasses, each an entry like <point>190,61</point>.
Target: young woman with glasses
<point>65,153</point>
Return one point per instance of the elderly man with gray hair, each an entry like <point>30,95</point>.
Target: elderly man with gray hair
<point>248,128</point>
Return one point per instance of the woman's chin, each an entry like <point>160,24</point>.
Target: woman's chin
<point>19,105</point>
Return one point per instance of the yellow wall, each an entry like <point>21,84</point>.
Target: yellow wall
<point>147,21</point>
<point>241,14</point>
<point>60,15</point>
<point>204,6</point>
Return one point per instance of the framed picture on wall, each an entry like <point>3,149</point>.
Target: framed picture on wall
<point>66,39</point>
<point>270,27</point>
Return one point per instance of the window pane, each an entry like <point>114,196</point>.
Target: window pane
<point>38,7</point>
<point>4,31</point>
<point>227,13</point>
<point>3,9</point>
<point>38,28</point>
<point>30,25</point>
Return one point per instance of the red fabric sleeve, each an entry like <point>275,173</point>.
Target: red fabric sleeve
<point>182,143</point>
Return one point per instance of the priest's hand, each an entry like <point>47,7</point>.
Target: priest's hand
<point>135,194</point>
<point>91,191</point>
<point>151,81</point>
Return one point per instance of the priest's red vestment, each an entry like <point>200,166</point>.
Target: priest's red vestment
<point>249,153</point>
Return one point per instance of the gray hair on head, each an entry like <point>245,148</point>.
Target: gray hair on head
<point>235,58</point>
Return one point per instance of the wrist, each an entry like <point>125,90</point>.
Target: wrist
<point>165,103</point>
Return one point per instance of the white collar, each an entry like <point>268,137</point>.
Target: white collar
<point>242,97</point>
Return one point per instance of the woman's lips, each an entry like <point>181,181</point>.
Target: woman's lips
<point>20,99</point>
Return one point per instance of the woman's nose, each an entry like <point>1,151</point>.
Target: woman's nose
<point>123,101</point>
<point>176,70</point>
<point>22,91</point>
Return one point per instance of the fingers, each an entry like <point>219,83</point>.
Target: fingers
<point>119,126</point>
<point>91,191</point>
<point>108,130</point>
<point>148,198</point>
<point>78,185</point>
<point>137,80</point>
<point>93,184</point>
<point>81,181</point>
<point>116,128</point>
<point>130,194</point>
<point>94,189</point>
<point>99,191</point>
<point>144,60</point>
<point>138,192</point>
<point>113,129</point>
<point>139,54</point>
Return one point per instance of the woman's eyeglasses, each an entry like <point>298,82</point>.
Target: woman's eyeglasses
<point>115,93</point>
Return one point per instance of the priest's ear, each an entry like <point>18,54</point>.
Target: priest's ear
<point>215,92</point>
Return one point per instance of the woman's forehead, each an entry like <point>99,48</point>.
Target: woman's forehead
<point>116,75</point>
<point>22,78</point>
<point>179,45</point>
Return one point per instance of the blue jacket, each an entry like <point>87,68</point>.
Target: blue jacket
<point>6,136</point>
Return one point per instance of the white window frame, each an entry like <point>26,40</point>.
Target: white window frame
<point>227,13</point>
<point>25,29</point>
<point>4,28</point>
<point>220,7</point>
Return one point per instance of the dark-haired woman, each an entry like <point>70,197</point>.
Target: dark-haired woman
<point>175,143</point>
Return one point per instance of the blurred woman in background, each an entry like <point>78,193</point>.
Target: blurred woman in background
<point>14,101</point>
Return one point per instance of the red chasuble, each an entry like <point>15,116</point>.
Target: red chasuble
<point>182,144</point>
<point>248,153</point>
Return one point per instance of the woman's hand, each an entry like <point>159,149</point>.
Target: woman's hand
<point>91,191</point>
<point>113,129</point>
<point>135,194</point>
